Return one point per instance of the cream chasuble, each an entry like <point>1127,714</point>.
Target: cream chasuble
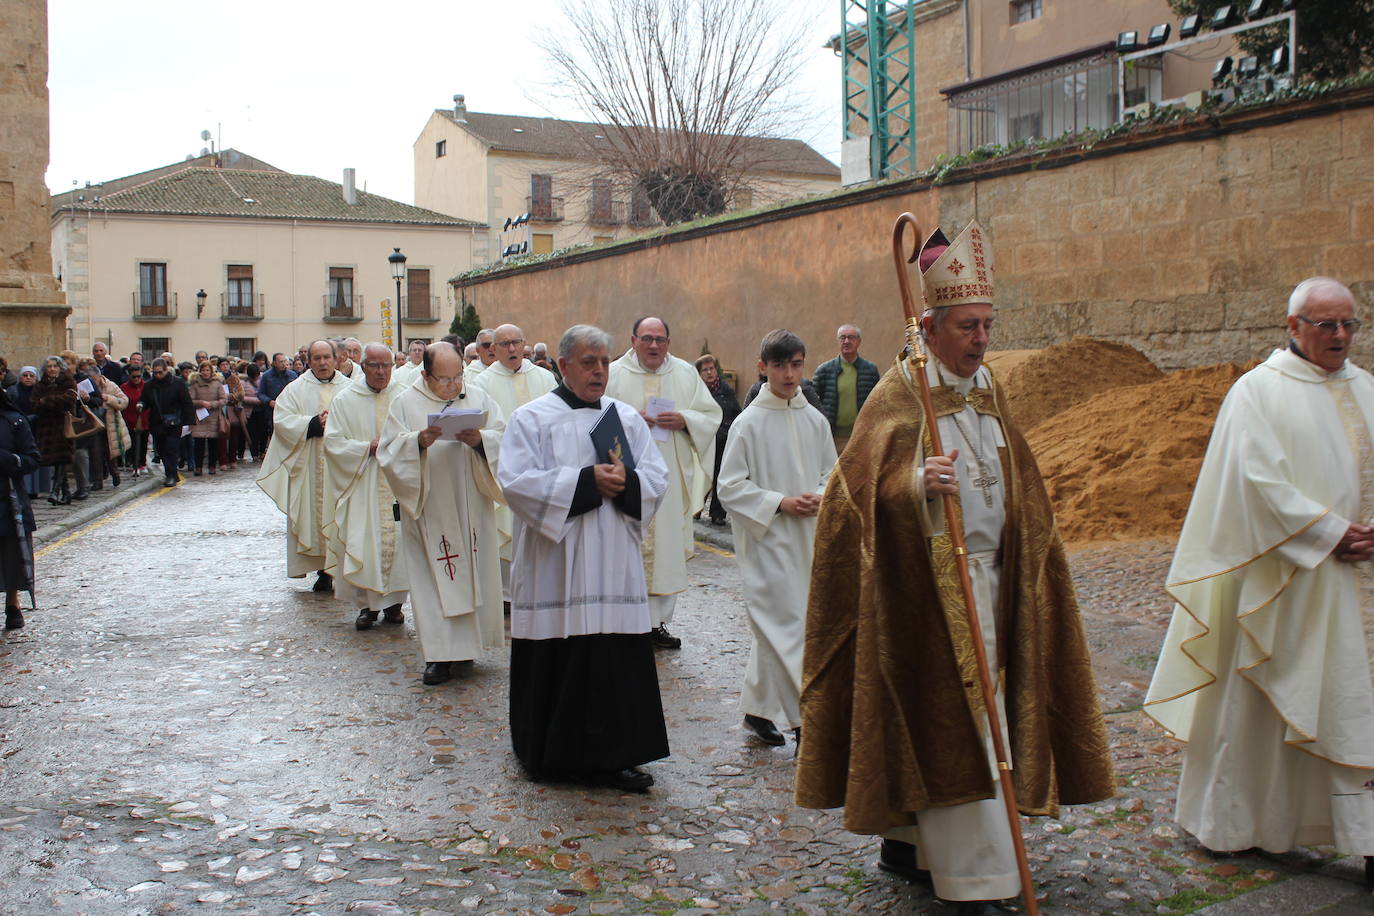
<point>581,575</point>
<point>775,449</point>
<point>689,454</point>
<point>293,472</point>
<point>362,532</point>
<point>1265,671</point>
<point>510,390</point>
<point>446,493</point>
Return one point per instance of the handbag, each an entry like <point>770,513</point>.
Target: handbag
<point>223,423</point>
<point>81,422</point>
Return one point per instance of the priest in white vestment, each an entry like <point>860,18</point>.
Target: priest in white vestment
<point>406,374</point>
<point>512,381</point>
<point>584,699</point>
<point>370,577</point>
<point>350,350</point>
<point>688,446</point>
<point>486,354</point>
<point>1265,669</point>
<point>446,489</point>
<point>778,457</point>
<point>293,470</point>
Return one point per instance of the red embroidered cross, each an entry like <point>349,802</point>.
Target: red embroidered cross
<point>448,558</point>
<point>955,267</point>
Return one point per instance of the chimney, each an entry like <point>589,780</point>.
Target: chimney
<point>350,188</point>
<point>460,109</point>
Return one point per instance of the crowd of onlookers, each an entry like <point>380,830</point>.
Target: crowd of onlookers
<point>99,420</point>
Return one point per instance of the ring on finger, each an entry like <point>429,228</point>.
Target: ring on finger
<point>943,478</point>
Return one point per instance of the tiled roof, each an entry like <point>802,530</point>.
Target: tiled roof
<point>249,193</point>
<point>572,139</point>
<point>223,159</point>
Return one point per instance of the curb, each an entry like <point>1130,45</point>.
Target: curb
<point>87,514</point>
<point>720,538</point>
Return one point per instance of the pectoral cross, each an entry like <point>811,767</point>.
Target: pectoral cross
<point>448,557</point>
<point>985,482</point>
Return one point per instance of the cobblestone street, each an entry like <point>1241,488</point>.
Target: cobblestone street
<point>184,729</point>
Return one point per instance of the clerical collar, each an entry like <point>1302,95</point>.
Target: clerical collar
<point>1293,345</point>
<point>946,376</point>
<point>573,401</point>
<point>323,381</point>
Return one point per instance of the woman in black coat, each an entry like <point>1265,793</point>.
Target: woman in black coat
<point>709,370</point>
<point>18,457</point>
<point>54,397</point>
<point>168,402</point>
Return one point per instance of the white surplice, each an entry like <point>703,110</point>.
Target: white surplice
<point>447,495</point>
<point>406,375</point>
<point>689,455</point>
<point>775,449</point>
<point>293,472</point>
<point>510,390</point>
<point>968,848</point>
<point>362,531</point>
<point>1265,671</point>
<point>581,575</point>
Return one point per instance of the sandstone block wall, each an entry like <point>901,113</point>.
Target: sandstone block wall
<point>1185,246</point>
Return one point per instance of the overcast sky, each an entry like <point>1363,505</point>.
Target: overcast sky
<point>310,88</point>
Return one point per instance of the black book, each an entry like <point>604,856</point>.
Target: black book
<point>608,438</point>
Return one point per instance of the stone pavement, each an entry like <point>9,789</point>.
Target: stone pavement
<point>183,729</point>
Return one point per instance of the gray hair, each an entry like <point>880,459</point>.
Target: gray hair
<point>374,345</point>
<point>854,326</point>
<point>1297,300</point>
<point>582,335</point>
<point>486,331</point>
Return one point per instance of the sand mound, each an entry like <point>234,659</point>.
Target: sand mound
<point>1041,383</point>
<point>1122,463</point>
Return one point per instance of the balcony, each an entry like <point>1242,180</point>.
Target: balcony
<point>545,209</point>
<point>240,308</point>
<point>606,213</point>
<point>342,308</point>
<point>425,309</point>
<point>151,307</point>
<point>643,216</point>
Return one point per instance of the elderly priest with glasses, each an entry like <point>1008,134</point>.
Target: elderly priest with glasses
<point>1265,668</point>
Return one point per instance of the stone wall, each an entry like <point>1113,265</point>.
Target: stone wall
<point>1183,241</point>
<point>33,310</point>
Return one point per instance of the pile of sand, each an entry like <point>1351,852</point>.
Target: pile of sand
<point>1123,462</point>
<point>1039,384</point>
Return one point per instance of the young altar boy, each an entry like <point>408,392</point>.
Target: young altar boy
<point>777,458</point>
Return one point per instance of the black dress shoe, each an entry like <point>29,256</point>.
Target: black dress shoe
<point>662,639</point>
<point>980,908</point>
<point>436,673</point>
<point>324,582</point>
<point>899,858</point>
<point>114,479</point>
<point>365,619</point>
<point>170,481</point>
<point>764,730</point>
<point>630,779</point>
<point>14,619</point>
<point>393,614</point>
<point>1368,869</point>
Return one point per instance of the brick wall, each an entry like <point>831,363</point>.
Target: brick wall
<point>1184,242</point>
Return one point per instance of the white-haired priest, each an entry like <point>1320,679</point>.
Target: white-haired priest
<point>582,475</point>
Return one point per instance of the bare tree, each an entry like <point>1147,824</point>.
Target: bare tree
<point>686,91</point>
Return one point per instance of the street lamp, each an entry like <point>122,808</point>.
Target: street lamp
<point>200,303</point>
<point>398,271</point>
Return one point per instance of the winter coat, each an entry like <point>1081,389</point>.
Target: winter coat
<point>18,457</point>
<point>250,398</point>
<point>166,396</point>
<point>827,382</point>
<point>135,418</point>
<point>53,399</point>
<point>210,395</point>
<point>116,430</point>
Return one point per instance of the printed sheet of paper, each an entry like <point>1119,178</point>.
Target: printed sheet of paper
<point>85,387</point>
<point>653,408</point>
<point>201,414</point>
<point>453,420</point>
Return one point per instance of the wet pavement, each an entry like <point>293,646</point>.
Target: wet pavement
<point>183,729</point>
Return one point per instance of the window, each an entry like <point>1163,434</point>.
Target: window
<point>440,149</point>
<point>641,213</point>
<point>153,347</point>
<point>542,242</point>
<point>340,295</point>
<point>541,196</point>
<point>1066,98</point>
<point>417,295</point>
<point>152,288</point>
<point>1025,10</point>
<point>601,201</point>
<point>240,289</point>
<point>240,347</point>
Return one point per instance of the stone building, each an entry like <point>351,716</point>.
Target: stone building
<point>33,310</point>
<point>488,167</point>
<point>230,255</point>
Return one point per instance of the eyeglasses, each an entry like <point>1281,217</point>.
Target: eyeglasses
<point>653,341</point>
<point>376,366</point>
<point>447,379</point>
<point>849,337</point>
<point>510,343</point>
<point>1351,325</point>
